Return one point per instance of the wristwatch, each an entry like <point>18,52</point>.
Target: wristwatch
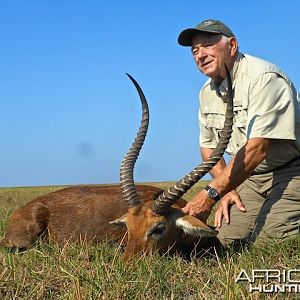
<point>212,193</point>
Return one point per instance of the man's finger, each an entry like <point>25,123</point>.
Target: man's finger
<point>240,205</point>
<point>218,218</point>
<point>186,209</point>
<point>226,213</point>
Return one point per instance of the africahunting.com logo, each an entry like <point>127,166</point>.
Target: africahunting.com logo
<point>270,280</point>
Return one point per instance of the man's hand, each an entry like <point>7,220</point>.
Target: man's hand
<point>200,206</point>
<point>223,210</point>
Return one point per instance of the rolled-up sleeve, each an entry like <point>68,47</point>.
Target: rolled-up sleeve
<point>206,137</point>
<point>271,111</point>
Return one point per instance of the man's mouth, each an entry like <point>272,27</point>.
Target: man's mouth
<point>205,64</point>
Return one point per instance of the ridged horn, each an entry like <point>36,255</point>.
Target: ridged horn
<point>167,198</point>
<point>126,170</point>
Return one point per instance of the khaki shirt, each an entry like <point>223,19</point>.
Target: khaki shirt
<point>266,104</point>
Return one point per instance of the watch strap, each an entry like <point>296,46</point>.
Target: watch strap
<point>212,193</point>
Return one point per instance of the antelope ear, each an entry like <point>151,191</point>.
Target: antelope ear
<point>194,227</point>
<point>120,221</point>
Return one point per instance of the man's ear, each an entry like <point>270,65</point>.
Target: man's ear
<point>233,43</point>
<point>122,221</point>
<point>194,227</point>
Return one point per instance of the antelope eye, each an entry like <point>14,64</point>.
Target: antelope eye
<point>157,230</point>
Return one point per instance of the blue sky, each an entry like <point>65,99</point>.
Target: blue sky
<point>69,113</point>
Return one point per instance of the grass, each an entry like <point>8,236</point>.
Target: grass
<point>85,271</point>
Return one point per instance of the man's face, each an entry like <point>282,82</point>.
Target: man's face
<point>211,51</point>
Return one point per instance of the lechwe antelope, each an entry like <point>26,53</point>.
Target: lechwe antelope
<point>154,220</point>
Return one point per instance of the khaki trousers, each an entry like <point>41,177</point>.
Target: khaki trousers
<point>272,204</point>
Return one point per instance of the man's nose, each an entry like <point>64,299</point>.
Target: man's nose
<point>201,52</point>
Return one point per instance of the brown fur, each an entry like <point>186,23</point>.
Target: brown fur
<point>141,220</point>
<point>98,213</point>
<point>80,212</point>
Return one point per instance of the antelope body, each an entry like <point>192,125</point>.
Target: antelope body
<point>71,213</point>
<point>153,221</point>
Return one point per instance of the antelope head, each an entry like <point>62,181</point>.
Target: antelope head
<point>159,223</point>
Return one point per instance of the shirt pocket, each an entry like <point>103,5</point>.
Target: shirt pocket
<point>238,136</point>
<point>240,117</point>
<point>215,120</point>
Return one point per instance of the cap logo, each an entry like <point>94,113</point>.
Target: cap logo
<point>207,23</point>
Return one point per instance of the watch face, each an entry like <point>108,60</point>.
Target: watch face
<point>213,193</point>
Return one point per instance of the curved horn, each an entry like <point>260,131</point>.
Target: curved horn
<point>127,165</point>
<point>167,198</point>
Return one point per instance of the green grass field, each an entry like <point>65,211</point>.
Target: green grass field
<point>85,271</point>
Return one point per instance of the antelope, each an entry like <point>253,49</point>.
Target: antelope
<point>153,221</point>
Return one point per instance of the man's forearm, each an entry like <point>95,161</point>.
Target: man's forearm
<point>230,177</point>
<point>241,165</point>
<point>219,167</point>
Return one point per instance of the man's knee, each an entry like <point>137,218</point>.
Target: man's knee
<point>276,230</point>
<point>233,236</point>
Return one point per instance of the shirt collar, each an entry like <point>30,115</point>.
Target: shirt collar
<point>221,88</point>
